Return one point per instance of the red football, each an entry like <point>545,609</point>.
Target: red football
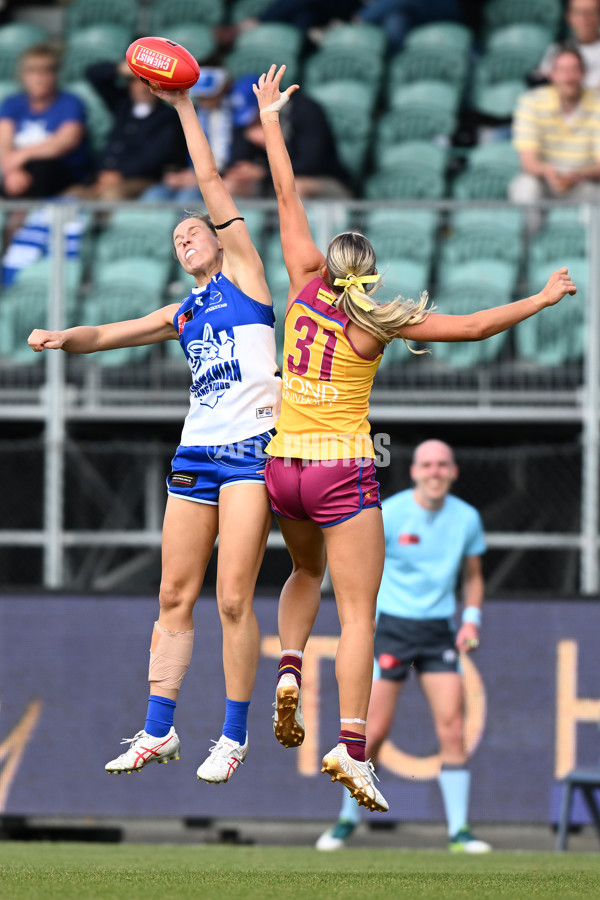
<point>162,63</point>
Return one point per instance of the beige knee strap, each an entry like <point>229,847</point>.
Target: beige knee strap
<point>170,658</point>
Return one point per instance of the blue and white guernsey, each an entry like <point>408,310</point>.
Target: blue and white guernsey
<point>229,342</point>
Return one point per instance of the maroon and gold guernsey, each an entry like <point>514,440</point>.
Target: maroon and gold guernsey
<point>326,383</point>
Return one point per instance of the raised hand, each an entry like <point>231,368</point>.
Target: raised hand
<point>268,92</point>
<point>556,287</point>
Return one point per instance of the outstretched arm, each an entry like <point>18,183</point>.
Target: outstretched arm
<point>241,256</point>
<point>150,329</point>
<point>483,324</point>
<point>302,257</point>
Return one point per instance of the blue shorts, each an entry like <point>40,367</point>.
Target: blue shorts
<point>199,473</point>
<point>427,645</point>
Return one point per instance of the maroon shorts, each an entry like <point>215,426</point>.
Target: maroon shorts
<point>326,491</point>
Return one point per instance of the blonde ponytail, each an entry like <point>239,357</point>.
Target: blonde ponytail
<point>350,260</point>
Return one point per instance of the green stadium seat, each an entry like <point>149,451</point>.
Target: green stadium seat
<point>559,240</point>
<point>98,43</point>
<point>402,277</point>
<point>427,63</point>
<point>405,181</point>
<point>342,56</point>
<point>512,53</point>
<point>426,93</point>
<point>499,13</point>
<point>348,106</point>
<point>361,38</point>
<point>247,9</point>
<point>84,13</point>
<point>195,37</point>
<point>23,308</point>
<point>556,336</point>
<point>39,273</point>
<point>478,277</point>
<point>255,219</point>
<point>113,303</point>
<point>431,156</point>
<point>255,50</point>
<point>442,35</point>
<point>14,39</point>
<point>489,170</point>
<point>99,119</point>
<point>462,301</point>
<point>279,285</point>
<point>408,234</point>
<point>339,65</point>
<point>135,233</point>
<point>422,111</point>
<point>507,219</point>
<point>137,274</point>
<point>498,100</point>
<point>164,13</point>
<point>485,236</point>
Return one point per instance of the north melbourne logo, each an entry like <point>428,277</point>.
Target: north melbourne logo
<point>214,366</point>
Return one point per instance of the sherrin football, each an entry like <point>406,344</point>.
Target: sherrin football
<point>162,63</point>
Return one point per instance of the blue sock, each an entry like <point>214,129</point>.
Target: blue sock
<point>350,811</point>
<point>455,782</point>
<point>159,719</point>
<point>236,717</point>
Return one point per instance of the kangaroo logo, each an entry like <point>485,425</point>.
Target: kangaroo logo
<point>213,365</point>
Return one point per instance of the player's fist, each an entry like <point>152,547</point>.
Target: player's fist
<point>557,286</point>
<point>39,340</point>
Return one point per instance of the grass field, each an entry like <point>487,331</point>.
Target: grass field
<point>53,871</point>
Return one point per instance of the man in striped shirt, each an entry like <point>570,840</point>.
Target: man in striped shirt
<point>556,130</point>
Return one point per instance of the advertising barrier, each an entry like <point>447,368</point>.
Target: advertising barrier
<point>73,683</point>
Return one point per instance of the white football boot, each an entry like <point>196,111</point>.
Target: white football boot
<point>356,776</point>
<point>143,749</point>
<point>225,757</point>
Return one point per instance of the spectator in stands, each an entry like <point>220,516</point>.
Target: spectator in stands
<point>397,17</point>
<point>211,95</point>
<point>583,19</point>
<point>556,130</point>
<point>42,131</point>
<point>146,138</point>
<point>318,170</point>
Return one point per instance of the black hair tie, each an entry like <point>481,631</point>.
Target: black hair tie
<point>225,224</point>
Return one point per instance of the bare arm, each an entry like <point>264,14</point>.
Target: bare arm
<point>302,257</point>
<point>7,136</point>
<point>242,261</point>
<point>473,590</point>
<point>64,139</point>
<point>481,325</point>
<point>150,329</point>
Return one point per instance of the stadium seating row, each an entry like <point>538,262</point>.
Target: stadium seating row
<point>474,257</point>
<point>424,84</point>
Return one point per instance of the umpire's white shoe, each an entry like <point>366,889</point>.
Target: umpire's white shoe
<point>356,776</point>
<point>288,722</point>
<point>143,749</point>
<point>464,842</point>
<point>224,758</point>
<point>335,837</point>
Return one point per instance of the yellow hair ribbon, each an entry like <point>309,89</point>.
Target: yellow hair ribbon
<point>357,281</point>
